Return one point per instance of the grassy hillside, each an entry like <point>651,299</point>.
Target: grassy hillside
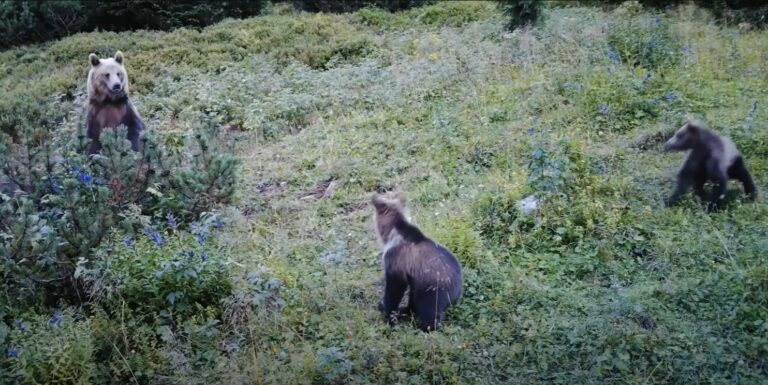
<point>604,285</point>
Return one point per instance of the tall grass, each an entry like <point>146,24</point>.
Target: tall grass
<point>603,285</point>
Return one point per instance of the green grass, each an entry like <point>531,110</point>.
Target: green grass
<point>604,286</point>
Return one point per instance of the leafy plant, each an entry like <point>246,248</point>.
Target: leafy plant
<point>163,271</point>
<point>57,349</point>
<point>520,13</point>
<point>30,21</point>
<point>648,44</point>
<point>65,203</point>
<point>337,6</point>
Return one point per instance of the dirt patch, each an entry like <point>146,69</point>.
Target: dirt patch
<point>323,190</point>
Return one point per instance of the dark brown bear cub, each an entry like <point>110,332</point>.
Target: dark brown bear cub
<point>109,105</point>
<point>412,261</point>
<point>713,158</point>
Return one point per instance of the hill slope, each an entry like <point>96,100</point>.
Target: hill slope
<point>603,286</point>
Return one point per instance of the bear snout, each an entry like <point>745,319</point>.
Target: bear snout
<point>116,87</point>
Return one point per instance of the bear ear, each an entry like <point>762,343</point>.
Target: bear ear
<point>119,57</point>
<point>693,127</point>
<point>94,59</point>
<point>378,202</point>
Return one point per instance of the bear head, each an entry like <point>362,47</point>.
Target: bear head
<point>685,137</point>
<point>107,79</point>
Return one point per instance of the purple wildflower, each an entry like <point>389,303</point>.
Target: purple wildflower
<point>55,186</point>
<point>657,21</point>
<point>218,223</point>
<point>20,325</point>
<point>603,109</point>
<point>171,221</point>
<point>87,179</point>
<point>56,319</point>
<point>200,232</point>
<point>614,56</point>
<point>157,238</point>
<point>12,353</point>
<point>128,240</point>
<point>201,237</point>
<point>671,96</point>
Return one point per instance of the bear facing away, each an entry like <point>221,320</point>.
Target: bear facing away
<point>412,261</point>
<point>109,105</point>
<point>712,158</point>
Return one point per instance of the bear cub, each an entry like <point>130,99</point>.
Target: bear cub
<point>412,261</point>
<point>109,105</point>
<point>712,158</point>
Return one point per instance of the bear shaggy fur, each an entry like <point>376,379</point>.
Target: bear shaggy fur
<point>713,158</point>
<point>109,105</point>
<point>412,261</point>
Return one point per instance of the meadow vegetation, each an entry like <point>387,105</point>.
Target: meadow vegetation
<point>275,278</point>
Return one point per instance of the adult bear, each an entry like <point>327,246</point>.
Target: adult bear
<point>109,105</point>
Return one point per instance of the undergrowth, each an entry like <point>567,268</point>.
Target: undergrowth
<point>600,285</point>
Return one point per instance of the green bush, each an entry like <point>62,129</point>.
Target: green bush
<point>621,100</point>
<point>65,204</point>
<point>30,21</point>
<point>340,6</point>
<point>164,15</point>
<point>24,22</point>
<point>163,271</point>
<point>521,12</point>
<point>57,349</point>
<point>646,44</point>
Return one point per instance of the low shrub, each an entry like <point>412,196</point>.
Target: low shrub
<point>621,100</point>
<point>648,44</point>
<point>63,204</point>
<point>520,13</point>
<point>54,349</point>
<point>163,271</point>
<point>31,21</point>
<point>340,6</point>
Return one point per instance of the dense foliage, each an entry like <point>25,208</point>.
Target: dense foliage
<point>521,12</point>
<point>755,12</point>
<point>30,21</point>
<point>600,285</point>
<point>338,6</point>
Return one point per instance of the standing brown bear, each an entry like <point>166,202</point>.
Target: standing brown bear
<point>109,105</point>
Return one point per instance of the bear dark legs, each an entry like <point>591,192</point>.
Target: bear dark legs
<point>394,289</point>
<point>95,146</point>
<point>719,185</point>
<point>738,171</point>
<point>684,181</point>
<point>133,137</point>
<point>135,126</point>
<point>698,185</point>
<point>431,308</point>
